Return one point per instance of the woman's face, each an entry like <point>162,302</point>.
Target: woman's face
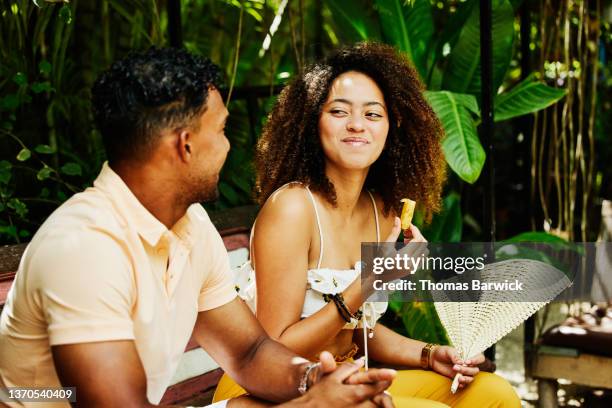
<point>354,123</point>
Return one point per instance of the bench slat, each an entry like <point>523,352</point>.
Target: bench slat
<point>586,369</point>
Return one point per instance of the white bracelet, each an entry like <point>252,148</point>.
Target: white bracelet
<point>303,387</point>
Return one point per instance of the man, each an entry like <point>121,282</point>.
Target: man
<point>111,286</point>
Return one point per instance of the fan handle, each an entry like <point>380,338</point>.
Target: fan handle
<point>455,384</point>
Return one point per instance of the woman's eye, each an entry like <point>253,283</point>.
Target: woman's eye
<point>373,115</point>
<point>337,112</point>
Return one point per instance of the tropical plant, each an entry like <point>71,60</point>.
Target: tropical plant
<point>446,53</point>
<point>448,59</point>
<point>50,54</point>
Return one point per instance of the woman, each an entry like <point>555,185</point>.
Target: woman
<point>342,146</point>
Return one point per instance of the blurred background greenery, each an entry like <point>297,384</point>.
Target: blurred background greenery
<point>552,108</point>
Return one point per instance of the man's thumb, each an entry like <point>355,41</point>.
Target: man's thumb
<point>328,363</point>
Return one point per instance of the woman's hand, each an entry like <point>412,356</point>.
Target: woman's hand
<point>446,361</point>
<point>413,234</point>
<point>415,246</point>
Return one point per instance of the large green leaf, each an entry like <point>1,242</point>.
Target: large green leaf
<point>545,238</point>
<point>408,26</point>
<point>462,72</point>
<point>450,32</point>
<point>516,3</point>
<point>527,97</point>
<point>537,236</point>
<point>352,19</point>
<point>448,225</point>
<point>461,146</point>
<point>421,322</point>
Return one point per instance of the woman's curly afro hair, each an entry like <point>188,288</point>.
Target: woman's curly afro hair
<point>411,164</point>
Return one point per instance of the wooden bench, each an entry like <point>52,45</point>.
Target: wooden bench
<point>588,370</point>
<point>197,374</point>
<point>582,357</point>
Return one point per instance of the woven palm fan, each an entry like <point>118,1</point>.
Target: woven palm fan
<point>472,327</point>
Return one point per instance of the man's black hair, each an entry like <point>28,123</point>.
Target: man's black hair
<point>147,92</point>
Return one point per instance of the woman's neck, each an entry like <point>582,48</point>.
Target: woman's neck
<point>348,185</point>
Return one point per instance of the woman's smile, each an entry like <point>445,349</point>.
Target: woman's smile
<point>355,141</point>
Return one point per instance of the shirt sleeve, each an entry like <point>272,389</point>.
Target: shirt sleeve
<point>218,287</point>
<point>85,285</point>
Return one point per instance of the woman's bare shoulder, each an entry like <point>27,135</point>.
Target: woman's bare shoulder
<point>284,225</point>
<point>291,204</point>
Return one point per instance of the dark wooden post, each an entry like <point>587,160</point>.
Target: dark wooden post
<point>486,130</point>
<point>526,127</point>
<point>175,29</point>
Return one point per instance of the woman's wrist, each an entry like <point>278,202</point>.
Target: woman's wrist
<point>427,356</point>
<point>352,295</point>
<point>343,309</point>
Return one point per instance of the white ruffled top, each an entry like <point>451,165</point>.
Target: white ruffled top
<point>320,281</point>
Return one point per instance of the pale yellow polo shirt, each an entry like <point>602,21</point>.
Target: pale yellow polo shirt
<point>103,268</point>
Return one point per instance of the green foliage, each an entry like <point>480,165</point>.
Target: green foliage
<point>409,27</point>
<point>529,96</point>
<point>46,126</point>
<point>71,169</point>
<point>463,70</point>
<point>448,226</point>
<point>547,248</point>
<point>448,57</point>
<point>462,149</point>
<point>353,21</point>
<point>43,104</point>
<point>537,236</point>
<point>24,154</point>
<point>420,321</point>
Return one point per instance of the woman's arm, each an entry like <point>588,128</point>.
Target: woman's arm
<point>284,232</point>
<point>389,347</point>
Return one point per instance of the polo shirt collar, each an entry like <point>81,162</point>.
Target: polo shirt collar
<point>132,210</point>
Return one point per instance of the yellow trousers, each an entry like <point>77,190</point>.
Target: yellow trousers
<point>424,389</point>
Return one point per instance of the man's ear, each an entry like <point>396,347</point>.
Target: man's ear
<point>183,145</point>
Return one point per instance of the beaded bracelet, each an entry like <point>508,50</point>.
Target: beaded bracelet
<point>343,309</point>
